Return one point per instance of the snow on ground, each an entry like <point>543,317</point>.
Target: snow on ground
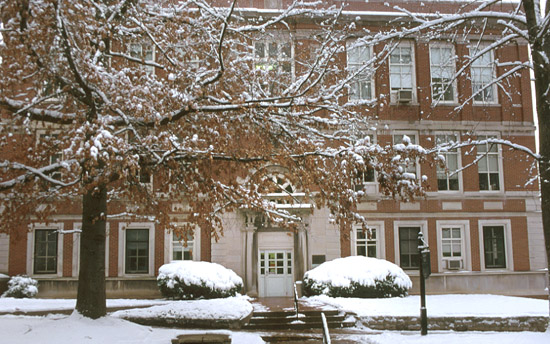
<point>77,329</point>
<point>10,305</point>
<point>232,308</point>
<point>439,305</point>
<point>461,338</point>
<point>63,329</point>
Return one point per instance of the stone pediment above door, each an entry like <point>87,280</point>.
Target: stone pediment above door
<point>260,222</point>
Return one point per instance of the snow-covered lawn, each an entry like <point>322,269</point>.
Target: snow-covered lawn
<point>439,305</point>
<point>11,305</point>
<point>232,308</point>
<point>462,338</point>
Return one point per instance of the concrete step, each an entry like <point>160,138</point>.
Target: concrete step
<point>279,320</point>
<point>298,325</point>
<point>288,313</point>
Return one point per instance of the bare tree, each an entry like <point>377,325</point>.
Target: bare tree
<point>514,23</point>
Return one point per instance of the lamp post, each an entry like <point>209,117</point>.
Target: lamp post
<point>425,271</point>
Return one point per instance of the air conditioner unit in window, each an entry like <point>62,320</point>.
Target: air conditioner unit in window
<point>404,96</point>
<point>455,264</point>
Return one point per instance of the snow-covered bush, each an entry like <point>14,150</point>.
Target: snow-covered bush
<point>189,280</point>
<point>21,286</point>
<point>357,276</point>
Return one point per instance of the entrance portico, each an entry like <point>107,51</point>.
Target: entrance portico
<point>274,257</point>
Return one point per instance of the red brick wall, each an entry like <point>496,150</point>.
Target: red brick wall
<point>520,244</point>
<point>206,245</point>
<point>18,251</point>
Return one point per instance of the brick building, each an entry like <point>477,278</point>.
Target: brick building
<point>483,224</point>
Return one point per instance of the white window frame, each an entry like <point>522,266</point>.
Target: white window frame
<point>494,135</point>
<point>368,186</point>
<point>168,244</point>
<point>352,67</point>
<point>458,160</point>
<point>30,248</point>
<point>122,247</point>
<point>508,243</point>
<point>451,66</point>
<point>279,60</point>
<point>77,226</point>
<point>150,70</point>
<point>413,135</point>
<point>464,226</point>
<point>39,134</point>
<point>380,241</point>
<point>393,92</point>
<point>396,224</point>
<point>491,65</point>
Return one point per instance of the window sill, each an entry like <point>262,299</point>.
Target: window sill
<point>447,104</point>
<point>405,104</point>
<point>45,276</point>
<point>128,278</point>
<point>136,276</point>
<point>480,104</point>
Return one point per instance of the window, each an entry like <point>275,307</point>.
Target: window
<point>76,249</point>
<point>408,247</point>
<point>279,189</point>
<point>366,243</point>
<point>494,249</point>
<point>145,176</point>
<point>447,180</point>
<point>401,73</point>
<point>409,166</point>
<point>442,70</point>
<point>144,52</point>
<point>182,250</point>
<point>45,251</point>
<point>50,142</point>
<point>317,259</point>
<point>451,248</point>
<point>137,251</point>
<point>275,263</point>
<point>362,84</point>
<point>274,62</point>
<point>367,176</point>
<point>50,90</point>
<point>174,246</point>
<point>488,165</point>
<point>483,74</point>
<point>453,244</point>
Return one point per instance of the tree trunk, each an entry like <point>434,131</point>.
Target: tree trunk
<point>540,51</point>
<point>91,278</point>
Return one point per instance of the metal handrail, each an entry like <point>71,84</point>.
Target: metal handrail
<point>326,334</point>
<point>296,301</point>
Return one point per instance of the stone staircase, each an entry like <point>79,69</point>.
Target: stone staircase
<point>307,319</point>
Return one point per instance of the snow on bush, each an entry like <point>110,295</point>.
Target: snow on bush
<point>21,287</point>
<point>189,280</point>
<point>357,276</point>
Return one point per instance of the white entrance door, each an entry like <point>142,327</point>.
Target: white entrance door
<point>276,275</point>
